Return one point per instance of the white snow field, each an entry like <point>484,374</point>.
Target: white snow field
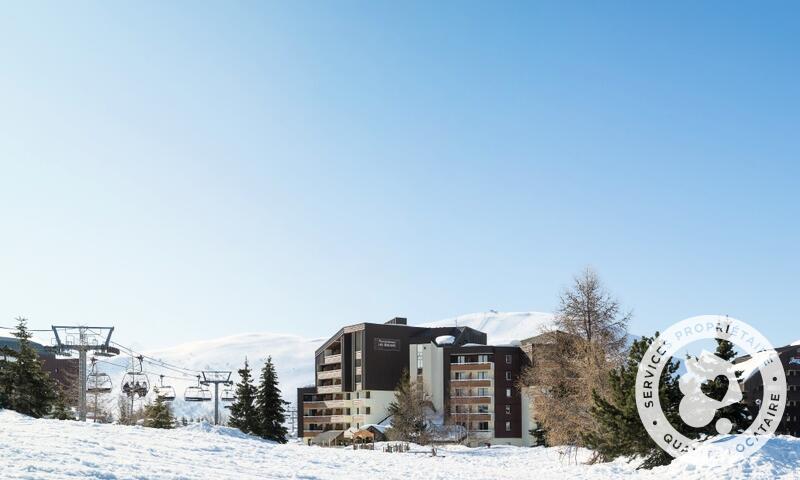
<point>49,449</point>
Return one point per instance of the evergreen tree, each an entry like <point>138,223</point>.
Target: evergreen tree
<point>243,411</point>
<point>158,414</point>
<point>61,409</point>
<point>184,422</point>
<point>619,431</point>
<point>409,422</point>
<point>270,406</point>
<point>737,412</point>
<point>6,386</point>
<point>32,392</point>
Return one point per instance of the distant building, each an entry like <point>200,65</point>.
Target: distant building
<point>63,370</point>
<point>471,385</point>
<point>753,389</point>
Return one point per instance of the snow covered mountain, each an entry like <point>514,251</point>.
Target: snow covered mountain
<point>292,355</point>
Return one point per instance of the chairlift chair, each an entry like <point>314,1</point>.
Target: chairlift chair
<point>165,392</point>
<point>198,393</point>
<point>97,382</point>
<point>228,393</point>
<point>135,382</point>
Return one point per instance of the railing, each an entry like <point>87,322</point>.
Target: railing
<point>329,389</point>
<point>471,366</point>
<point>341,419</point>
<point>326,374</point>
<point>470,382</point>
<point>329,359</point>
<point>461,400</point>
<point>317,418</point>
<point>318,404</point>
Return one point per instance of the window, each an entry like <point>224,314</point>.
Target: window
<point>483,408</point>
<point>508,426</point>
<point>420,360</point>
<point>459,392</point>
<point>483,358</point>
<point>367,410</point>
<point>508,375</point>
<point>460,359</point>
<point>483,392</point>
<point>483,425</point>
<point>508,393</point>
<point>482,375</point>
<point>358,411</point>
<point>367,395</point>
<point>508,409</point>
<point>508,359</point>
<point>460,376</point>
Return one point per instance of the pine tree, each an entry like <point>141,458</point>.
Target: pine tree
<point>6,385</point>
<point>61,409</point>
<point>270,406</point>
<point>618,430</point>
<point>243,412</point>
<point>409,422</point>
<point>737,412</point>
<point>158,414</point>
<point>33,392</point>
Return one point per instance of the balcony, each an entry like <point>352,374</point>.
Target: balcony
<point>460,367</point>
<point>470,382</point>
<point>472,417</point>
<point>317,418</point>
<point>320,404</point>
<point>329,389</point>
<point>329,374</point>
<point>331,359</point>
<point>341,419</point>
<point>471,400</point>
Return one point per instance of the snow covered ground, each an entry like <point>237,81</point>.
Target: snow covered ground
<point>49,449</point>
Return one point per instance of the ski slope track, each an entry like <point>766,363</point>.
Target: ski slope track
<point>50,449</point>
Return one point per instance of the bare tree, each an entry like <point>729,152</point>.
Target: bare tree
<point>573,358</point>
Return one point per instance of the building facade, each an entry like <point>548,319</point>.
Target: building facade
<point>471,385</point>
<point>753,389</point>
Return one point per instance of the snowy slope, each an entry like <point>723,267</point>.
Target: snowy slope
<point>49,449</point>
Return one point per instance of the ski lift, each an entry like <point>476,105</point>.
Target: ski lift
<point>197,393</point>
<point>165,392</point>
<point>135,382</point>
<point>97,382</point>
<point>228,393</point>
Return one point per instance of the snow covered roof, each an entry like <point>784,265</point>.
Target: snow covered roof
<point>445,340</point>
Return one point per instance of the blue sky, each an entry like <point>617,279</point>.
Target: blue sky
<point>187,171</point>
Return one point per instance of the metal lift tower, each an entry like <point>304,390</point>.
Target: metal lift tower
<point>83,339</point>
<point>216,377</point>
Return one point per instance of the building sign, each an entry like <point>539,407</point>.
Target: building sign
<point>387,344</point>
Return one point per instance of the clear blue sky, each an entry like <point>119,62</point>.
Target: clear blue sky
<point>187,171</point>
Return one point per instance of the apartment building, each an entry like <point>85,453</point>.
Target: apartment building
<point>470,384</point>
<point>753,389</point>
